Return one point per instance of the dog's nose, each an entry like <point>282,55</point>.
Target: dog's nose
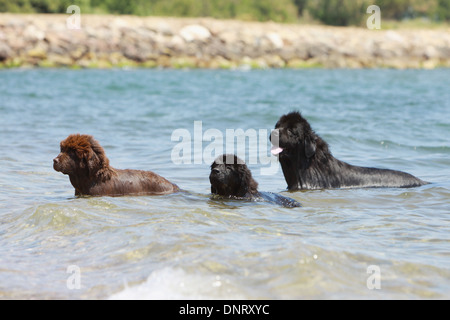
<point>215,170</point>
<point>55,161</point>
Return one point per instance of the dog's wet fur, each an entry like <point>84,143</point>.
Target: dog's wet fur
<point>85,162</point>
<point>307,162</point>
<point>230,177</point>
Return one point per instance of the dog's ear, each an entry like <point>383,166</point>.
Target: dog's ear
<point>310,147</point>
<point>93,161</point>
<point>84,158</point>
<point>247,183</point>
<point>97,161</point>
<point>82,155</point>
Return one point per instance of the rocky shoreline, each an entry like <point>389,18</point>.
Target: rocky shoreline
<point>122,41</point>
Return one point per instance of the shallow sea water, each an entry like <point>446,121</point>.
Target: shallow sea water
<point>342,244</point>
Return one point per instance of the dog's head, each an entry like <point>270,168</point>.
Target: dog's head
<point>82,155</point>
<point>293,134</point>
<point>230,176</point>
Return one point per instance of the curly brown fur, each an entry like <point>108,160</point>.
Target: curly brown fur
<point>85,161</point>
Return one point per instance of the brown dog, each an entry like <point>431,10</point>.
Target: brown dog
<point>85,161</point>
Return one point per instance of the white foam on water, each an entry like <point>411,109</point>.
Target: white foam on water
<point>176,284</point>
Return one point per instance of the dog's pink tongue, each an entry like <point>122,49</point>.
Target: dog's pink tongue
<point>276,150</point>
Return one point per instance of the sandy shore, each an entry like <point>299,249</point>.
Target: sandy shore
<point>104,41</point>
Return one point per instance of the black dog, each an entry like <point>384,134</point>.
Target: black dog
<point>307,162</point>
<point>230,177</point>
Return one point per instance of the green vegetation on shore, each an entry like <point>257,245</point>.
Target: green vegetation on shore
<point>331,12</point>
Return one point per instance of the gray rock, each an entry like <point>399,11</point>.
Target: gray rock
<point>5,51</point>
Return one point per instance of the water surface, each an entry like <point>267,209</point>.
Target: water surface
<point>189,246</point>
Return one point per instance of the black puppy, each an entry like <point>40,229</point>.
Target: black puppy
<point>307,162</point>
<point>230,177</point>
